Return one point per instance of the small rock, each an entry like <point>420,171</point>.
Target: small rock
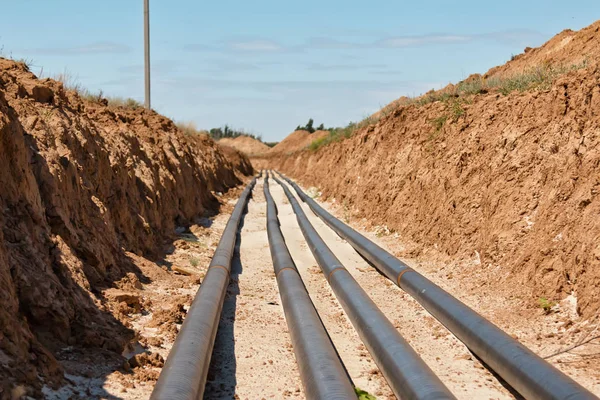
<point>184,270</point>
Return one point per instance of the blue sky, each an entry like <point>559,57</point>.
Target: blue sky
<point>268,66</point>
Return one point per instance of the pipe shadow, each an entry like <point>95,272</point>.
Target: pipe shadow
<point>222,374</point>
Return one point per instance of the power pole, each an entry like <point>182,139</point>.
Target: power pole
<point>147,51</point>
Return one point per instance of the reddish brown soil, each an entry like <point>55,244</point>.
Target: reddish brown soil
<point>513,181</point>
<point>238,159</point>
<point>83,184</point>
<point>297,140</point>
<point>246,144</point>
<point>568,47</point>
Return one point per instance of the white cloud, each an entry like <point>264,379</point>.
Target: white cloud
<point>421,40</point>
<point>92,48</point>
<point>249,45</point>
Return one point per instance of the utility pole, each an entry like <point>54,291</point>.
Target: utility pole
<point>147,51</point>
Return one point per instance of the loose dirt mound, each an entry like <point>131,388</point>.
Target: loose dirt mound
<point>246,145</point>
<point>238,159</point>
<point>568,47</point>
<point>510,180</point>
<point>297,140</point>
<point>81,184</point>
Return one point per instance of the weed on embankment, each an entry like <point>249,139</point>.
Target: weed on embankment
<point>537,78</point>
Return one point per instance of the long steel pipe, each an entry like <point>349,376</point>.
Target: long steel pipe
<point>406,373</point>
<point>321,370</point>
<point>529,374</point>
<point>184,375</point>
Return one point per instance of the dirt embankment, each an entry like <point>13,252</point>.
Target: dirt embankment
<point>297,140</point>
<point>239,160</point>
<point>511,180</point>
<point>246,145</point>
<point>293,143</point>
<point>81,185</point>
<point>568,47</point>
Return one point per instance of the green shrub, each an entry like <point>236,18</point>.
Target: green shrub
<point>228,132</point>
<point>308,127</point>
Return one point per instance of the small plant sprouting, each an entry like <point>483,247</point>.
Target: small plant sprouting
<point>546,304</point>
<point>194,262</point>
<point>438,124</point>
<point>363,394</point>
<point>456,108</point>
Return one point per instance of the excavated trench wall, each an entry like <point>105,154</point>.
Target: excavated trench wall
<point>81,184</point>
<point>514,178</point>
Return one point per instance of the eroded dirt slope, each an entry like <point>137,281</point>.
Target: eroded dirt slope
<point>510,180</point>
<point>568,47</point>
<point>297,140</point>
<point>246,145</point>
<point>81,185</point>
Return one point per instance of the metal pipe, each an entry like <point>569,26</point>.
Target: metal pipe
<point>184,375</point>
<point>526,372</point>
<point>323,375</point>
<point>406,373</point>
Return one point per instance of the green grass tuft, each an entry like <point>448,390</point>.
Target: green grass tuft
<point>363,394</point>
<point>546,304</point>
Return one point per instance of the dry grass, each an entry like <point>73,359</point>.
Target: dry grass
<point>132,104</point>
<point>538,78</point>
<point>71,81</point>
<point>189,128</point>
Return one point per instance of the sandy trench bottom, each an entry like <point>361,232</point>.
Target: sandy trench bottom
<point>253,356</point>
<point>255,344</point>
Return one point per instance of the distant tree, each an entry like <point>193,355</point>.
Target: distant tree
<point>228,132</point>
<point>216,133</point>
<point>309,127</point>
<point>321,127</point>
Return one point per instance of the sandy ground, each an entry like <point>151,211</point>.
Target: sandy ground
<point>564,339</point>
<point>446,355</point>
<point>160,305</point>
<point>358,362</point>
<point>253,357</point>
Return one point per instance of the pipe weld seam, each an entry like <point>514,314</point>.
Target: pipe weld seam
<point>283,269</point>
<point>219,266</point>
<point>331,273</point>
<point>405,270</point>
